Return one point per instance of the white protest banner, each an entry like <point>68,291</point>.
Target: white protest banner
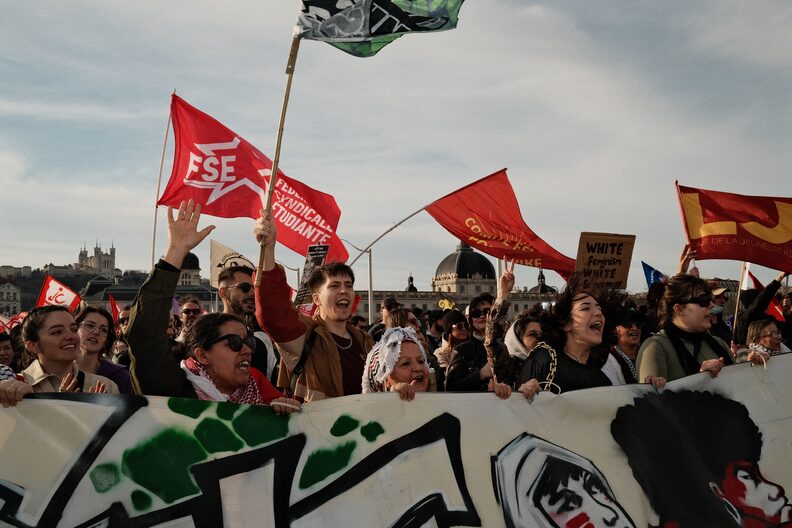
<point>720,447</point>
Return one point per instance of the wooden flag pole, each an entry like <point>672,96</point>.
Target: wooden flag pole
<point>295,47</point>
<point>159,184</point>
<point>743,272</point>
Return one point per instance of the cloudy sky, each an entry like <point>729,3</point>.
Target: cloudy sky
<point>594,107</point>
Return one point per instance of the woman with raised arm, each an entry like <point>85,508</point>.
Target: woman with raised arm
<point>218,346</point>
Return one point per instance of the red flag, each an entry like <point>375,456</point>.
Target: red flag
<point>57,293</point>
<point>15,320</point>
<point>114,309</point>
<point>3,322</point>
<point>774,309</point>
<point>486,215</point>
<point>228,176</point>
<point>723,225</point>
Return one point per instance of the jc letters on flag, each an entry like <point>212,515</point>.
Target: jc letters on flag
<point>54,292</point>
<point>227,175</point>
<point>722,225</point>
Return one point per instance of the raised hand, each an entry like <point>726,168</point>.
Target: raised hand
<point>183,234</point>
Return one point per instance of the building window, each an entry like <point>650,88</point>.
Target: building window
<point>478,289</point>
<point>461,289</point>
<point>424,306</point>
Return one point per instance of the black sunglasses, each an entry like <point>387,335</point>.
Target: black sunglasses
<point>460,326</point>
<point>123,320</point>
<point>191,311</point>
<point>476,313</point>
<point>244,286</point>
<point>235,342</point>
<point>703,300</point>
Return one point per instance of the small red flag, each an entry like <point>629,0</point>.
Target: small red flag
<point>57,293</point>
<point>114,309</point>
<point>774,309</point>
<point>228,176</point>
<point>486,215</point>
<point>722,225</point>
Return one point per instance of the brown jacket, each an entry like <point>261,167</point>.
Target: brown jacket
<point>321,377</point>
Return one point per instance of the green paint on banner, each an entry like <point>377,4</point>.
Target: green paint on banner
<point>259,424</point>
<point>105,476</point>
<point>215,436</point>
<point>226,411</point>
<point>343,425</point>
<point>161,464</point>
<point>188,407</point>
<point>324,462</point>
<point>141,500</point>
<point>371,431</point>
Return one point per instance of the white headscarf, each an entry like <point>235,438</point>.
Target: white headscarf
<point>382,359</point>
<point>514,345</point>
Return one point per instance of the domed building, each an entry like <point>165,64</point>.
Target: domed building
<point>465,271</point>
<point>541,287</point>
<point>190,271</point>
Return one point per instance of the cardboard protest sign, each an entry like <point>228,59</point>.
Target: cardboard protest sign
<point>604,259</point>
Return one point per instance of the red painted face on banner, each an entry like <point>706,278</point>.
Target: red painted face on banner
<point>583,503</point>
<point>761,503</point>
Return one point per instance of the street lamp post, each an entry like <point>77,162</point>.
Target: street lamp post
<point>370,284</point>
<point>292,269</point>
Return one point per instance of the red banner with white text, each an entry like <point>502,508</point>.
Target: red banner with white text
<point>228,176</point>
<point>722,225</point>
<point>486,215</point>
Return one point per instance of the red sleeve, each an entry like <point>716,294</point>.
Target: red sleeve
<point>267,391</point>
<point>274,311</point>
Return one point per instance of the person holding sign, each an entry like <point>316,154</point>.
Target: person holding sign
<point>323,353</point>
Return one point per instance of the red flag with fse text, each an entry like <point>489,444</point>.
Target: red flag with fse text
<point>722,225</point>
<point>486,215</point>
<point>57,293</point>
<point>228,176</point>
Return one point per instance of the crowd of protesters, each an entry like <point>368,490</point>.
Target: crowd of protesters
<point>262,350</point>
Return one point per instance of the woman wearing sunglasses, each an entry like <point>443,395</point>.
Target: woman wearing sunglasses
<point>456,331</point>
<point>684,345</point>
<point>218,346</point>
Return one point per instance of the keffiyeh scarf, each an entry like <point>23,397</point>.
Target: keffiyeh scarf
<point>204,386</point>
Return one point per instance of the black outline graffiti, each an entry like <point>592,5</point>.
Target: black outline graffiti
<point>125,407</point>
<point>206,509</point>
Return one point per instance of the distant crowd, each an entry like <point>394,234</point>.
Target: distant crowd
<point>261,350</point>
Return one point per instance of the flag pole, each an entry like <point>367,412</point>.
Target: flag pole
<point>295,47</point>
<point>159,184</point>
<point>737,302</point>
<point>394,226</point>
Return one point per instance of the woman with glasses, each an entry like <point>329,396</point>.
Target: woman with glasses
<point>97,333</point>
<point>456,331</point>
<point>218,346</point>
<point>50,334</point>
<point>684,345</point>
<point>764,339</point>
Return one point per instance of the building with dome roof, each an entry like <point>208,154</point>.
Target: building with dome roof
<point>459,277</point>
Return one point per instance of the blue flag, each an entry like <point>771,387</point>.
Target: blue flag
<point>652,275</point>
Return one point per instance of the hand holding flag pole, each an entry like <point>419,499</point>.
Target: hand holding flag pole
<point>266,202</point>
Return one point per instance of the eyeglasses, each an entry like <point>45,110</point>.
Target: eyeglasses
<point>191,311</point>
<point>476,313</point>
<point>93,327</point>
<point>774,335</point>
<point>244,286</point>
<point>460,326</point>
<point>123,320</point>
<point>703,300</point>
<point>235,342</point>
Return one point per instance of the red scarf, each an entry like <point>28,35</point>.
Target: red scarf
<point>249,393</point>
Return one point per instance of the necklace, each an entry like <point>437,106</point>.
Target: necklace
<point>579,360</point>
<point>338,345</point>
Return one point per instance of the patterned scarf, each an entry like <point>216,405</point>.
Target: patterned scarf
<point>204,386</point>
